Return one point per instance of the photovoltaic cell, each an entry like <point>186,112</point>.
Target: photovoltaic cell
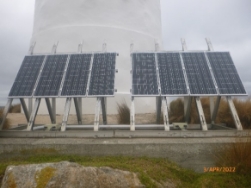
<point>225,72</point>
<point>102,75</point>
<point>144,76</point>
<point>27,76</point>
<point>77,74</point>
<point>172,80</point>
<point>51,76</point>
<point>198,74</point>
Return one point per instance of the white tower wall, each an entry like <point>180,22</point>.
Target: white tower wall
<point>118,23</point>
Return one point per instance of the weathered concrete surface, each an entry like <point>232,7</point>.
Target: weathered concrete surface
<point>67,175</point>
<point>194,153</point>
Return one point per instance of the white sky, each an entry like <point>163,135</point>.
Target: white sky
<point>226,22</point>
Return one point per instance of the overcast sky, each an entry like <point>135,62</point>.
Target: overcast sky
<point>226,22</point>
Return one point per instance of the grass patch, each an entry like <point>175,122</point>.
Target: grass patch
<point>151,171</point>
<point>123,116</point>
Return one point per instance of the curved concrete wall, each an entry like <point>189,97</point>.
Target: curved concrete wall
<point>118,23</point>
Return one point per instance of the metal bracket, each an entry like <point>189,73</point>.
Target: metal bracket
<point>104,110</point>
<point>184,45</point>
<point>187,108</point>
<point>79,115</point>
<point>66,113</point>
<point>165,114</point>
<point>234,114</point>
<point>5,112</point>
<point>50,110</point>
<point>54,48</point>
<point>209,45</point>
<point>80,47</point>
<point>97,112</point>
<point>33,114</point>
<point>201,114</point>
<point>214,107</point>
<point>26,112</point>
<point>132,115</point>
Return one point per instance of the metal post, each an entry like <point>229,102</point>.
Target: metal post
<point>215,110</point>
<point>132,115</point>
<point>54,48</point>
<point>80,107</point>
<point>97,112</point>
<point>201,114</point>
<point>5,112</point>
<point>80,47</point>
<point>48,104</point>
<point>104,110</point>
<point>30,102</point>
<point>165,114</point>
<point>26,112</point>
<point>53,101</point>
<point>184,45</point>
<point>158,109</point>
<point>79,115</point>
<point>33,114</point>
<point>209,45</point>
<point>234,114</point>
<point>187,108</point>
<point>66,113</point>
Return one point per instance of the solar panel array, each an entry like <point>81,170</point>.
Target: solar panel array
<point>103,74</point>
<point>27,76</point>
<point>185,73</point>
<point>65,75</point>
<point>144,74</point>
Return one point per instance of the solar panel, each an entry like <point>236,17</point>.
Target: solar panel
<point>198,73</point>
<point>144,75</point>
<point>226,75</point>
<point>51,76</point>
<point>77,74</point>
<point>102,75</point>
<point>27,75</point>
<point>172,80</point>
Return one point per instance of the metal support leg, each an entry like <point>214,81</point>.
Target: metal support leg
<point>66,113</point>
<point>26,112</point>
<point>165,114</point>
<point>97,112</point>
<point>48,104</point>
<point>79,115</point>
<point>132,116</point>
<point>33,114</point>
<point>215,110</point>
<point>201,114</point>
<point>30,104</point>
<point>103,106</point>
<point>5,112</point>
<point>53,101</point>
<point>234,114</point>
<point>187,108</point>
<point>158,109</point>
<point>80,106</point>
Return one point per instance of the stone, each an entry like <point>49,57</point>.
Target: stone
<point>67,175</point>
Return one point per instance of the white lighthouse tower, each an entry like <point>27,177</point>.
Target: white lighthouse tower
<point>122,25</point>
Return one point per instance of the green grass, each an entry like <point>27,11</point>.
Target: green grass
<point>151,171</point>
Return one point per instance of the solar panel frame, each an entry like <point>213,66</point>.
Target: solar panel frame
<point>102,76</point>
<point>148,83</point>
<point>171,73</point>
<point>226,75</point>
<point>75,82</point>
<point>27,77</point>
<point>199,76</point>
<point>51,78</point>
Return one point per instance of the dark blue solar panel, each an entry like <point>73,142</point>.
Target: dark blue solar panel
<point>77,74</point>
<point>102,75</point>
<point>226,75</point>
<point>198,74</point>
<point>144,74</point>
<point>51,76</point>
<point>27,76</point>
<point>172,80</point>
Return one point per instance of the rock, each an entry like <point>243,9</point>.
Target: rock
<point>67,175</point>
